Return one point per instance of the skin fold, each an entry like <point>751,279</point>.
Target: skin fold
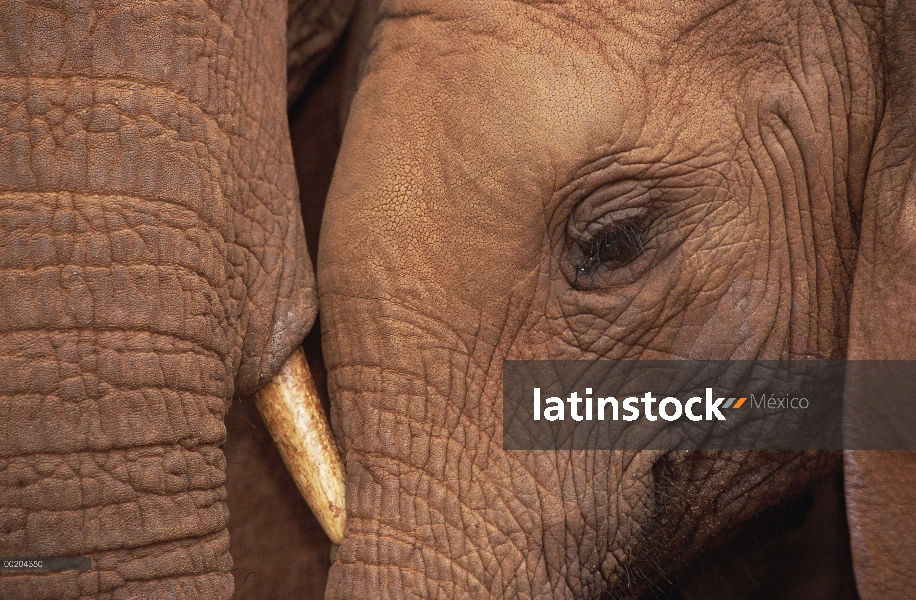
<point>881,485</point>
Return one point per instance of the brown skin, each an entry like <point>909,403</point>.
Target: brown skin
<point>797,551</point>
<point>152,264</point>
<point>881,486</point>
<point>485,139</point>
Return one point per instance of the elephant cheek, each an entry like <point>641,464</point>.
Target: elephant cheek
<point>435,506</point>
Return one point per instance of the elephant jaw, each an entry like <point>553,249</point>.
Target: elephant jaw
<point>292,411</point>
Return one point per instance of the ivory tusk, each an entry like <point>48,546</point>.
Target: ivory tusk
<point>291,409</point>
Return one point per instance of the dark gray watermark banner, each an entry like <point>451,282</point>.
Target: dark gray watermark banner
<point>47,563</point>
<point>709,405</point>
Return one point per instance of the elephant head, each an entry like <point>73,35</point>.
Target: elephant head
<point>600,180</point>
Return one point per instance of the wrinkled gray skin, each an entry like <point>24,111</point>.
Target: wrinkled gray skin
<point>758,144</point>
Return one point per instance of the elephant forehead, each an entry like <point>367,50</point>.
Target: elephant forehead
<point>446,126</point>
<point>501,105</point>
<point>474,132</point>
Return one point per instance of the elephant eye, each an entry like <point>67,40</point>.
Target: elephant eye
<point>614,246</point>
<point>619,245</point>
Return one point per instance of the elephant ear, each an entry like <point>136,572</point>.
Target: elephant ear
<point>881,484</point>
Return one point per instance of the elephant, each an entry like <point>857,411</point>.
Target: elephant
<point>615,180</point>
<point>156,272</point>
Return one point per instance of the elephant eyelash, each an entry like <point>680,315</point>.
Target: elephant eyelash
<point>614,247</point>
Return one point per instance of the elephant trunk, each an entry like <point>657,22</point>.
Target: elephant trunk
<point>111,445</point>
<point>115,349</point>
<point>111,449</point>
<point>152,262</point>
<point>112,423</point>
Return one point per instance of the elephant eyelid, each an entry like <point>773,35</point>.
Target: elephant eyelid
<point>616,245</point>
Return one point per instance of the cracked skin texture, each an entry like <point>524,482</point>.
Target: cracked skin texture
<point>152,261</point>
<point>484,143</point>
